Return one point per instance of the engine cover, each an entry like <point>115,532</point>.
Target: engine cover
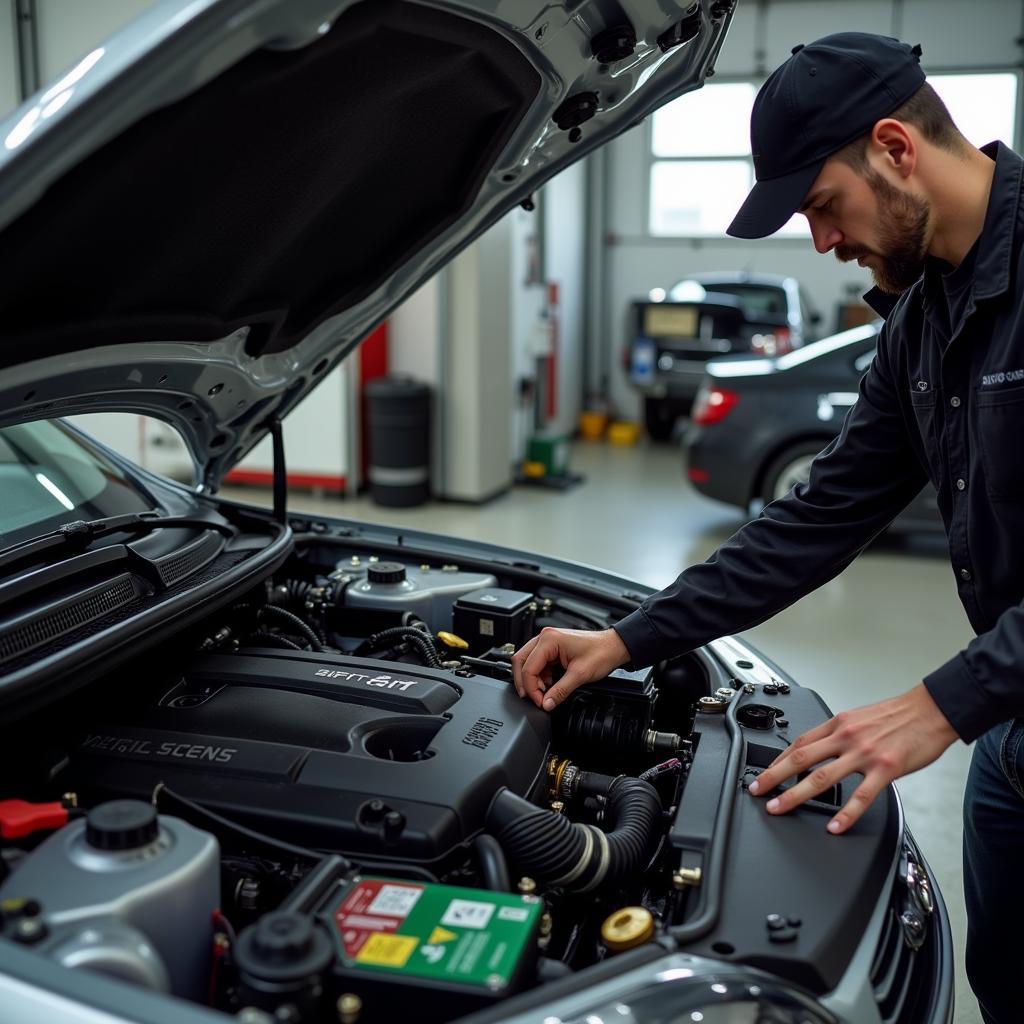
<point>360,756</point>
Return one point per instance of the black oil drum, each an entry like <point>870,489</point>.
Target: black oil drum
<point>398,417</point>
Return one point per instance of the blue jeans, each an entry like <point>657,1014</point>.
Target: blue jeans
<point>994,873</point>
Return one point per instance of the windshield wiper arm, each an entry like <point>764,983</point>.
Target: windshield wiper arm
<point>81,533</point>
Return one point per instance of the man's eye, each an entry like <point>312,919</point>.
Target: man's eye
<point>825,206</point>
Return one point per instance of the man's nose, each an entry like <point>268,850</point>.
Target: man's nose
<point>826,236</point>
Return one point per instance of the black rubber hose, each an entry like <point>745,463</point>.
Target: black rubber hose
<point>264,639</point>
<point>493,865</point>
<point>282,614</point>
<point>555,851</point>
<point>297,590</point>
<point>421,640</point>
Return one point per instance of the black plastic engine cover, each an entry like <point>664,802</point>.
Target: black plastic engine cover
<point>384,761</point>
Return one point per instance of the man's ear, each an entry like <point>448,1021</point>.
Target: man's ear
<point>894,145</point>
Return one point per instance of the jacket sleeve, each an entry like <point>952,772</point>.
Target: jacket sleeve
<point>857,486</point>
<point>983,684</point>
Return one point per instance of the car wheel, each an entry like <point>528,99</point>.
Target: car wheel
<point>659,418</point>
<point>792,467</point>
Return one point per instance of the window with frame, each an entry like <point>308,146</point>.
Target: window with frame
<point>700,166</point>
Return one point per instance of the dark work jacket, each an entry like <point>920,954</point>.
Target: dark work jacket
<point>948,407</point>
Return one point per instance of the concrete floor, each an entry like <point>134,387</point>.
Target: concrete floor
<point>871,634</point>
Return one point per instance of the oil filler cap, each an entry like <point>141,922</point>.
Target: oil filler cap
<point>386,572</point>
<point>626,928</point>
<point>121,825</point>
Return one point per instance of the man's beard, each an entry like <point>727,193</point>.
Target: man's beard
<point>902,237</point>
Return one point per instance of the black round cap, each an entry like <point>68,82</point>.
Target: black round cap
<point>386,572</point>
<point>283,945</point>
<point>121,825</point>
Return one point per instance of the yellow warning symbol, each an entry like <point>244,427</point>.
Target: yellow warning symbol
<point>441,935</point>
<point>387,950</point>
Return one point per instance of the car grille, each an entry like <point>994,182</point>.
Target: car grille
<point>904,979</point>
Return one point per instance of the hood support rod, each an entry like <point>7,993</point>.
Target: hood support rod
<point>280,473</point>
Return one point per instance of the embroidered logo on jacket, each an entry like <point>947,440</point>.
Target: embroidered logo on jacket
<point>1005,377</point>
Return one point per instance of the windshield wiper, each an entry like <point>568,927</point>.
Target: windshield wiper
<point>81,533</point>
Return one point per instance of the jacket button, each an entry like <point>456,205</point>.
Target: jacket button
<point>961,484</point>
<point>955,402</point>
<point>965,574</point>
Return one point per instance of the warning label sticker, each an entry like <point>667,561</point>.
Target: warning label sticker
<point>467,914</point>
<point>513,913</point>
<point>444,933</point>
<point>387,950</point>
<point>395,900</point>
<point>373,908</point>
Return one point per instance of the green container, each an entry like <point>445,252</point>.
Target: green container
<point>552,451</point>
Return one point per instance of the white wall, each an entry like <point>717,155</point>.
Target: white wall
<point>565,214</point>
<point>472,332</point>
<point>954,36</point>
<point>8,60</point>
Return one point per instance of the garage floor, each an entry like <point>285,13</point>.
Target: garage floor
<point>871,634</point>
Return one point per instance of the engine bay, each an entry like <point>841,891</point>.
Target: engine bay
<point>329,801</point>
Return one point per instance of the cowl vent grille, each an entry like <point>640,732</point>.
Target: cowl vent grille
<point>42,626</point>
<point>179,564</point>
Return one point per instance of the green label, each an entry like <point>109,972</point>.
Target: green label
<point>441,932</point>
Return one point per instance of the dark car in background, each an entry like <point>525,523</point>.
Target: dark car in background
<point>673,335</point>
<point>757,424</point>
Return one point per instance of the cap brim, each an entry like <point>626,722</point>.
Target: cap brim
<point>772,202</point>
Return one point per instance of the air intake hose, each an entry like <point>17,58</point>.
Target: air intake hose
<point>555,851</point>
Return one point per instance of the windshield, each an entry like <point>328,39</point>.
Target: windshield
<point>759,302</point>
<point>50,476</point>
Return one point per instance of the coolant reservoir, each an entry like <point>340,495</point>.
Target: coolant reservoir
<point>430,593</point>
<point>123,892</point>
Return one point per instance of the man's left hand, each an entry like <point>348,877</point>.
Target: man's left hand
<point>881,742</point>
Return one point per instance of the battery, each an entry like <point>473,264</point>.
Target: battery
<point>470,947</point>
<point>492,616</point>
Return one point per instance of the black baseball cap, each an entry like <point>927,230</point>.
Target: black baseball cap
<point>827,94</point>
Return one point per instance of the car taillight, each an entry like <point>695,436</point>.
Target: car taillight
<point>712,405</point>
<point>777,343</point>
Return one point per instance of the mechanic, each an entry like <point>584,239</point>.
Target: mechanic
<point>848,133</point>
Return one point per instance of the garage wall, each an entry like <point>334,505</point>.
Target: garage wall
<point>955,36</point>
<point>68,29</point>
<point>8,61</point>
<point>65,31</point>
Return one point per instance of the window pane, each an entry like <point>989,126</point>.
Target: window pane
<point>697,198</point>
<point>795,227</point>
<point>983,106</point>
<point>713,121</point>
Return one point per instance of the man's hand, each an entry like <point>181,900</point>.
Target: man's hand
<point>585,656</point>
<point>881,742</point>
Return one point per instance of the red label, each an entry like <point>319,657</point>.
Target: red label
<point>373,907</point>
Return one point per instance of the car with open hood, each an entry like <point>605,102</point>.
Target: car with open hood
<point>271,766</point>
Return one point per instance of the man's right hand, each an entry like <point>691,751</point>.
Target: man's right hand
<point>585,655</point>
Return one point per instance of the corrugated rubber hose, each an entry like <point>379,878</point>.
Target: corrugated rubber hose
<point>555,851</point>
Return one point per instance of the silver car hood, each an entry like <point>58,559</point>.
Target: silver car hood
<point>214,207</point>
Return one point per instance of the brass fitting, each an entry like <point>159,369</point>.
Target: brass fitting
<point>685,878</point>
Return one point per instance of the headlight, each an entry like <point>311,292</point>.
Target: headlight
<point>681,989</point>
